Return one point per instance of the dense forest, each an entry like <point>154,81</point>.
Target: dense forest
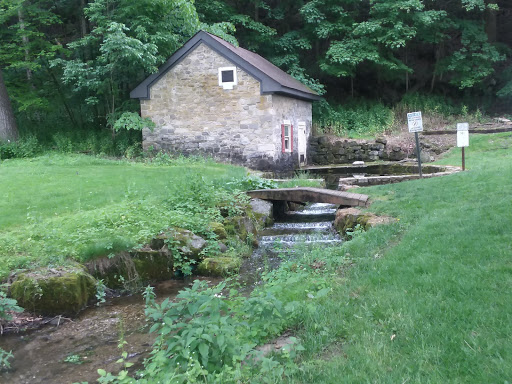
<point>68,65</point>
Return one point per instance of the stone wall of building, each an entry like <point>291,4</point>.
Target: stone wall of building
<point>194,115</point>
<point>330,150</point>
<point>294,110</point>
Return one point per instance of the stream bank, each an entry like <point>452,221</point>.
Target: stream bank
<point>73,350</point>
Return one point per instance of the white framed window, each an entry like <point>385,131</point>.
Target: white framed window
<point>287,136</point>
<point>227,77</point>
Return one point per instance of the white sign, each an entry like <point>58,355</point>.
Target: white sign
<point>415,122</point>
<point>462,135</point>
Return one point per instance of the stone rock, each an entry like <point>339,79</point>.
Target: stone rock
<point>152,265</point>
<point>54,291</point>
<point>349,218</point>
<point>262,211</point>
<point>222,247</point>
<point>425,157</point>
<point>219,230</point>
<point>188,243</point>
<point>243,227</point>
<point>218,266</point>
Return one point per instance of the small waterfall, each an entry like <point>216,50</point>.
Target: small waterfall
<point>312,225</point>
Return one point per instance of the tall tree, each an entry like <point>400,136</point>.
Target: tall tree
<point>8,128</point>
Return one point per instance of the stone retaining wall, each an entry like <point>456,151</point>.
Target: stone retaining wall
<point>331,150</point>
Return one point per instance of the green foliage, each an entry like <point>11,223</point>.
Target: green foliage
<point>25,147</point>
<point>249,183</point>
<point>4,359</point>
<point>428,104</point>
<point>472,63</point>
<point>7,307</point>
<point>354,232</point>
<point>356,119</point>
<point>73,359</point>
<point>88,207</point>
<point>132,121</point>
<point>209,335</point>
<point>101,292</point>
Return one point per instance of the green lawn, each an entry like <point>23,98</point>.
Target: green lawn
<point>429,299</point>
<point>61,207</point>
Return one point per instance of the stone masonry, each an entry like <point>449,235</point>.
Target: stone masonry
<point>326,150</point>
<point>194,115</point>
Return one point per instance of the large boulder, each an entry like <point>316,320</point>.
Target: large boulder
<point>188,243</point>
<point>243,227</point>
<point>348,219</point>
<point>54,291</point>
<point>219,230</point>
<point>262,211</point>
<point>218,266</point>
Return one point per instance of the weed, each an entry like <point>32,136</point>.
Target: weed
<point>4,359</point>
<point>101,291</point>
<point>74,359</point>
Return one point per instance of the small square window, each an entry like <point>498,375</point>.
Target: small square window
<point>227,77</point>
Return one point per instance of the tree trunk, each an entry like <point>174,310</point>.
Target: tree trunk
<point>83,20</point>
<point>406,72</point>
<point>490,24</point>
<point>8,128</point>
<point>25,41</point>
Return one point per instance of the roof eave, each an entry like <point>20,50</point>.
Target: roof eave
<point>278,89</point>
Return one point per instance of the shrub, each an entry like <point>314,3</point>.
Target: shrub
<point>358,118</point>
<point>23,148</point>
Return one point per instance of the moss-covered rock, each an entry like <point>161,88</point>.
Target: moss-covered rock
<point>219,230</point>
<point>349,218</point>
<point>130,270</point>
<point>262,211</point>
<point>54,291</point>
<point>152,265</point>
<point>218,266</point>
<point>188,243</point>
<point>243,227</point>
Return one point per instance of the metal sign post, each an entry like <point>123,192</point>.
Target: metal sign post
<point>415,123</point>
<point>463,140</point>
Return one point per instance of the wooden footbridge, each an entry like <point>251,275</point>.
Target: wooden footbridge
<point>313,195</point>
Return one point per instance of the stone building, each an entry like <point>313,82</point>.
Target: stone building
<point>213,98</point>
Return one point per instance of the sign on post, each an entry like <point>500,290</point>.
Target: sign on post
<point>462,135</point>
<point>415,123</point>
<point>463,140</point>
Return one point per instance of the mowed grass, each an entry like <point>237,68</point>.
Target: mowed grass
<point>428,299</point>
<point>57,208</point>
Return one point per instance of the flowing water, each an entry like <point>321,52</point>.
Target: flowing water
<point>312,225</point>
<point>69,351</point>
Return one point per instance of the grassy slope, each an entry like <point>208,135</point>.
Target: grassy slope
<point>440,281</point>
<point>58,207</point>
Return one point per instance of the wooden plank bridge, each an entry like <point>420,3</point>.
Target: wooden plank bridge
<point>313,195</point>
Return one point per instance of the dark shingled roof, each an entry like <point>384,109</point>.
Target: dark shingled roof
<point>273,79</point>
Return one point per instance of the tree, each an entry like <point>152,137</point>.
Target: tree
<point>128,39</point>
<point>8,128</point>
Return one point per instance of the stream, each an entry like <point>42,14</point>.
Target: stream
<point>72,350</point>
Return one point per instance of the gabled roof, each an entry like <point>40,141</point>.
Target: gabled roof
<point>272,79</point>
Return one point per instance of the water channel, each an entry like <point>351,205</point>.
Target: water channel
<point>72,350</point>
